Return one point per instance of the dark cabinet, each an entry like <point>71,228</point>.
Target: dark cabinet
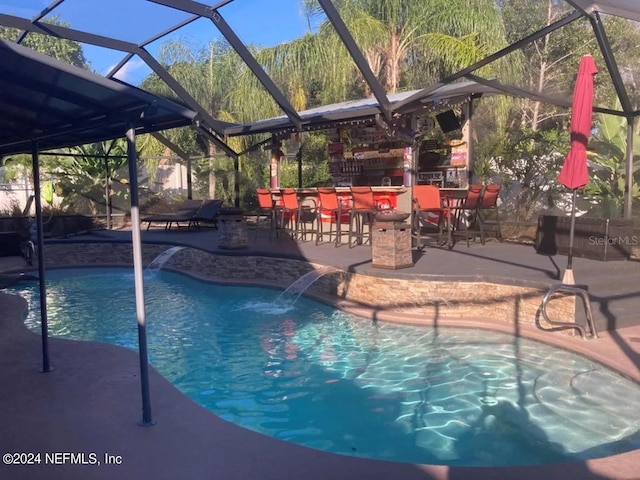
<point>596,238</point>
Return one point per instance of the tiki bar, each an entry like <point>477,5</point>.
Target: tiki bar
<point>414,165</point>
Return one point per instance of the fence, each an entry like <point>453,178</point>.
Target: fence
<point>14,197</point>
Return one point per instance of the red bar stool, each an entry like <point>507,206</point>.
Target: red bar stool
<point>293,215</point>
<point>331,206</point>
<point>427,204</point>
<point>488,206</point>
<point>465,213</point>
<point>363,212</point>
<point>266,211</point>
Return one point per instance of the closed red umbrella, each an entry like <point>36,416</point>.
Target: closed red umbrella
<point>574,173</point>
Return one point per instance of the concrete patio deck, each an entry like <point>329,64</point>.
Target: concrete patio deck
<point>90,402</point>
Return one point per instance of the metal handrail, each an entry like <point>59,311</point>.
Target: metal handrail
<point>578,291</point>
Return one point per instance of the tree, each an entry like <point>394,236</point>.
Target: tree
<point>211,76</point>
<point>59,48</point>
<point>410,43</point>
<point>607,155</point>
<point>552,61</point>
<point>315,170</point>
<point>624,37</point>
<point>83,179</point>
<point>528,162</point>
<point>549,61</point>
<point>529,170</point>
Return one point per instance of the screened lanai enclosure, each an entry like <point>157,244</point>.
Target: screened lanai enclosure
<point>243,65</point>
<point>123,103</point>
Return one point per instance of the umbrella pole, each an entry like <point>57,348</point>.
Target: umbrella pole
<point>568,275</point>
<point>572,229</point>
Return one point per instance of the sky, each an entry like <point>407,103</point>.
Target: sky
<point>257,22</point>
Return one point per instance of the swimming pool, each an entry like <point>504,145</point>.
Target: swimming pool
<point>319,377</point>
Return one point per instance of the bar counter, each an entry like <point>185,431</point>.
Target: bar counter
<point>395,197</point>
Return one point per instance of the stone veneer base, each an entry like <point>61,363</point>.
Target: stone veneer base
<point>406,300</point>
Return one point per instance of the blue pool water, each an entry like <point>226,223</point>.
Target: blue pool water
<point>326,379</point>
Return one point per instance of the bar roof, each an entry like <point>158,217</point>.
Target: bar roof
<point>367,108</point>
<point>622,8</point>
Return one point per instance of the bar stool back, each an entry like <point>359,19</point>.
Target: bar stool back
<point>329,204</point>
<point>363,212</point>
<point>292,214</point>
<point>489,205</point>
<point>266,210</point>
<point>426,201</point>
<point>466,213</point>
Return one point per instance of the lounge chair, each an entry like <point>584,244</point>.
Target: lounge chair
<point>207,213</point>
<point>191,212</point>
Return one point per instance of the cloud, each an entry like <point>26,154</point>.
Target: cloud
<point>129,72</point>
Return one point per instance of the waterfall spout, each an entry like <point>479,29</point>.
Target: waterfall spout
<point>300,285</point>
<point>158,262</point>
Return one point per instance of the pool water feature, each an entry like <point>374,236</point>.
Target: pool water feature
<point>159,262</point>
<point>291,294</point>
<point>319,377</point>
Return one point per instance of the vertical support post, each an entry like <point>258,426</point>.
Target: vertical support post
<point>138,273</point>
<point>236,181</point>
<point>405,201</point>
<point>467,133</point>
<point>273,174</point>
<point>274,166</point>
<point>107,192</point>
<point>189,181</point>
<point>628,179</point>
<point>44,326</point>
<point>408,160</point>
<point>299,161</point>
